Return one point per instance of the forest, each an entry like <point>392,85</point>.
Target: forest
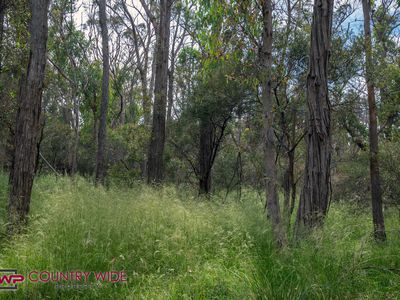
<point>199,149</point>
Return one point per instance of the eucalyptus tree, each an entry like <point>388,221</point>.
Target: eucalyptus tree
<point>102,134</point>
<point>315,195</point>
<point>28,122</point>
<point>272,201</point>
<point>376,194</point>
<point>157,138</point>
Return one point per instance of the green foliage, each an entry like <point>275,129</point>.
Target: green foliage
<point>174,247</point>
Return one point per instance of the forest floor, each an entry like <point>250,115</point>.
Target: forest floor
<point>174,246</point>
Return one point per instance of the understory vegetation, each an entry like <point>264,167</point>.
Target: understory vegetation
<point>174,245</point>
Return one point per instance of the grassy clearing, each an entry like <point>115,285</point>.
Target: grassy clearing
<point>174,246</point>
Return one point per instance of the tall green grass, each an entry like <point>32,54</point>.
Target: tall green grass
<point>174,246</point>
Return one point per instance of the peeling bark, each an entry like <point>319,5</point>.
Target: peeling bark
<point>315,195</point>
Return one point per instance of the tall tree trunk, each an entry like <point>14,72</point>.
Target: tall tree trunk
<point>74,164</point>
<point>377,214</point>
<point>155,172</point>
<point>3,7</point>
<point>315,195</point>
<point>273,209</point>
<point>170,90</point>
<point>101,159</point>
<point>289,182</point>
<point>291,161</point>
<point>27,130</point>
<point>205,155</point>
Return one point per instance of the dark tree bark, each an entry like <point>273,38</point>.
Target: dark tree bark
<point>205,155</point>
<point>171,75</point>
<point>27,130</point>
<point>376,196</point>
<point>315,195</point>
<point>288,180</point>
<point>212,133</point>
<point>272,203</point>
<point>155,173</point>
<point>102,134</point>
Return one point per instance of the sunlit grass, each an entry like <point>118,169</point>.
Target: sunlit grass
<point>174,246</point>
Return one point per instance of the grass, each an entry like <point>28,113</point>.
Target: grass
<point>174,246</point>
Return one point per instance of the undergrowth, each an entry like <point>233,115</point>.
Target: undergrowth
<point>173,245</point>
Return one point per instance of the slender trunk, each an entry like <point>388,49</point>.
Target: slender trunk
<point>289,182</point>
<point>205,155</point>
<point>27,130</point>
<point>170,91</point>
<point>3,6</point>
<point>155,172</point>
<point>146,101</point>
<point>315,195</point>
<point>286,135</point>
<point>291,161</point>
<point>95,122</point>
<point>153,75</point>
<point>377,214</point>
<point>272,203</point>
<point>95,135</point>
<point>74,165</point>
<point>122,108</point>
<point>101,159</point>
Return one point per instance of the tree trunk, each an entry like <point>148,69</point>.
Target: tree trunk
<point>74,164</point>
<point>101,159</point>
<point>27,130</point>
<point>155,172</point>
<point>377,214</point>
<point>122,108</point>
<point>170,90</point>
<point>272,203</point>
<point>315,195</point>
<point>205,155</point>
<point>3,7</point>
<point>146,101</point>
<point>288,183</point>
